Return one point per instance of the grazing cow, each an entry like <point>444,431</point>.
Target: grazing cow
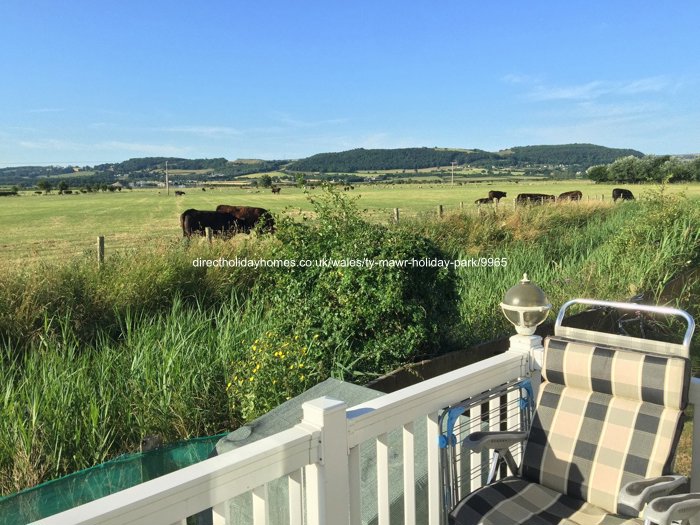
<point>178,192</point>
<point>196,221</point>
<point>570,196</point>
<point>276,189</point>
<point>534,198</point>
<point>496,195</point>
<point>247,217</point>
<point>621,193</point>
<point>486,200</point>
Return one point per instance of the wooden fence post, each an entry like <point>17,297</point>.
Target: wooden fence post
<point>439,209</point>
<point>100,250</point>
<point>209,233</point>
<point>461,205</point>
<point>396,214</point>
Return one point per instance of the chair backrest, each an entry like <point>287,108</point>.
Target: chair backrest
<point>605,416</point>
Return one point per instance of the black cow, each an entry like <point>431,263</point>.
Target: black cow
<point>575,195</point>
<point>276,189</point>
<point>621,193</point>
<point>496,195</point>
<point>196,221</point>
<point>534,198</point>
<point>247,217</point>
<point>486,200</point>
<point>178,192</point>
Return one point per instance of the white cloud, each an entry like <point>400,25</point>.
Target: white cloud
<point>51,144</point>
<point>541,91</point>
<point>203,131</point>
<point>114,146</point>
<point>141,148</point>
<point>290,121</point>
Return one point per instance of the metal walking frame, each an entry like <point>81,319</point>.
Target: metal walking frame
<point>506,407</point>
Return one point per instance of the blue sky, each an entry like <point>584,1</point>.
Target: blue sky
<point>85,82</point>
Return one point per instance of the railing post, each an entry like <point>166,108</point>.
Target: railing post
<point>219,513</point>
<point>327,481</point>
<point>530,346</point>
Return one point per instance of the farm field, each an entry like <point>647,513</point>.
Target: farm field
<point>63,226</point>
<point>191,351</point>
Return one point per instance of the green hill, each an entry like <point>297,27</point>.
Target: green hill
<point>583,155</point>
<point>574,157</point>
<point>387,159</point>
<point>580,156</point>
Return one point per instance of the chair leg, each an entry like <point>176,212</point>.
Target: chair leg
<point>495,461</point>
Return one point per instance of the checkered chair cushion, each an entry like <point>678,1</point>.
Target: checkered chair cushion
<point>605,416</point>
<point>514,501</point>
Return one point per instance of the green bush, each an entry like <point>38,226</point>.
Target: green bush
<point>368,320</point>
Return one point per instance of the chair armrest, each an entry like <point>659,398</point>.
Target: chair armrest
<point>665,510</point>
<point>635,494</point>
<point>477,441</point>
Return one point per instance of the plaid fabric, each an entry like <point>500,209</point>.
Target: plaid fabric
<point>657,379</point>
<point>648,346</point>
<point>604,417</point>
<point>514,501</point>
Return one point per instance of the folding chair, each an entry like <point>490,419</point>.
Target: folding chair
<point>600,448</point>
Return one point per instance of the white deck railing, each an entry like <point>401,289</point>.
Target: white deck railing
<point>320,459</point>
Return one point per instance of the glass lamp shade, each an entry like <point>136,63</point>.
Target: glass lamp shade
<point>526,306</point>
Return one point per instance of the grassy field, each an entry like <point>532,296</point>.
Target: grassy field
<point>61,226</point>
<point>148,343</point>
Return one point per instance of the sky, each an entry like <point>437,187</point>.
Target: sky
<point>87,82</point>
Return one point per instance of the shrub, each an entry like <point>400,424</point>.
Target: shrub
<point>368,320</point>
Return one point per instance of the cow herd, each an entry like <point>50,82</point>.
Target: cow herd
<point>541,198</point>
<point>230,220</point>
<point>226,220</point>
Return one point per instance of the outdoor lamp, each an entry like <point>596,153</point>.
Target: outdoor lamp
<point>526,306</point>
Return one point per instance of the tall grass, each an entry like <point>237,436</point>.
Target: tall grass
<point>589,249</point>
<point>95,359</point>
<point>66,406</point>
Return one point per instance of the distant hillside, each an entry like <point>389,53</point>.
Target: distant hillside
<point>580,156</point>
<point>574,157</point>
<point>585,155</point>
<point>387,159</point>
<point>142,168</point>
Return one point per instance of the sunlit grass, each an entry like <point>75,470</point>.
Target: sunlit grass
<point>96,358</point>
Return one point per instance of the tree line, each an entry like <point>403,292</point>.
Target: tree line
<point>361,159</point>
<point>580,156</point>
<point>583,155</point>
<point>649,168</point>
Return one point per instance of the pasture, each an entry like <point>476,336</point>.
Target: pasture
<point>50,227</point>
<point>189,351</point>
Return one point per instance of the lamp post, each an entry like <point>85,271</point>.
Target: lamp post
<point>526,306</point>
